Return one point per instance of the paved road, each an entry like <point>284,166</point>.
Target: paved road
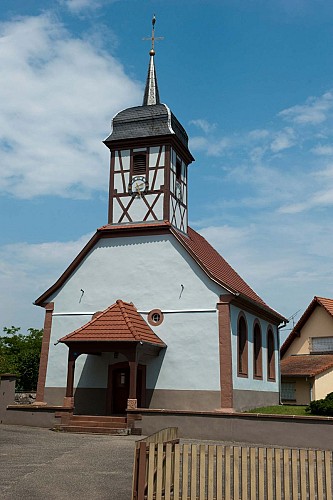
<point>40,464</point>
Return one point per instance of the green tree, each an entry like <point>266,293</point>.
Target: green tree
<point>20,354</point>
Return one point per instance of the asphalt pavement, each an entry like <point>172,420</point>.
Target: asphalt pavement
<point>38,464</point>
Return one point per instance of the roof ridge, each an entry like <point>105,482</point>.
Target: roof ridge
<point>128,322</point>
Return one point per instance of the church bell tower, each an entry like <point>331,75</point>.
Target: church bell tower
<point>149,161</point>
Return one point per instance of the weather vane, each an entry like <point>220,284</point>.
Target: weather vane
<point>152,37</point>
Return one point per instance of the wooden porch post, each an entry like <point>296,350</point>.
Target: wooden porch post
<point>132,401</point>
<point>69,399</point>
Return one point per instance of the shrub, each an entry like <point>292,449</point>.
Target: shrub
<point>323,407</point>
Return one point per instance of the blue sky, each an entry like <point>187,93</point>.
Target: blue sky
<point>251,81</point>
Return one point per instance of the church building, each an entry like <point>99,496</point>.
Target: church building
<point>149,315</point>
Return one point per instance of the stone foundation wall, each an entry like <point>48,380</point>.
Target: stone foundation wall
<point>25,398</point>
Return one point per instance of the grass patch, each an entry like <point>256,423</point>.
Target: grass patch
<point>280,410</point>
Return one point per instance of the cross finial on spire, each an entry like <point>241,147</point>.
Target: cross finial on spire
<point>151,95</point>
<point>153,37</point>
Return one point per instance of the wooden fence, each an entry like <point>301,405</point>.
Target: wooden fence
<point>173,471</point>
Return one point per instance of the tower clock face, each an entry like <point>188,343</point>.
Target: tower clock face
<point>138,186</point>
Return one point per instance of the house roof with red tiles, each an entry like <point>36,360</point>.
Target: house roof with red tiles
<point>306,365</point>
<point>210,261</point>
<point>120,322</point>
<point>327,304</point>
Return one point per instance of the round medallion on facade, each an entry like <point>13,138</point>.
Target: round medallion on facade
<point>155,317</point>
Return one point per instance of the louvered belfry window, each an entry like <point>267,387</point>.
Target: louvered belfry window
<point>139,164</point>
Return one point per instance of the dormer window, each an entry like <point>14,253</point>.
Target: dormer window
<point>139,164</point>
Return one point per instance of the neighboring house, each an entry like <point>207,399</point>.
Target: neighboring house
<point>307,355</point>
<point>149,314</point>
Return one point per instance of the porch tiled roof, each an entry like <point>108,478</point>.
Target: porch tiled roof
<point>306,365</point>
<point>120,322</point>
<point>327,304</point>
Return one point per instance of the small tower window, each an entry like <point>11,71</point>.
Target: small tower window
<point>178,170</point>
<point>139,164</point>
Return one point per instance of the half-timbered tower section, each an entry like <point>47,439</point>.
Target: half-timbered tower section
<point>149,314</point>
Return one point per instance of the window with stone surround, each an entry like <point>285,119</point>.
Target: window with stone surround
<point>242,347</point>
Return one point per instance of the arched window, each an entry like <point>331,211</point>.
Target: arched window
<point>257,351</point>
<point>242,347</point>
<point>270,355</point>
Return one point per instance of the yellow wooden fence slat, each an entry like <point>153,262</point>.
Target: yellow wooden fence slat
<point>202,472</point>
<point>312,468</point>
<point>261,473</point>
<point>319,459</point>
<point>210,471</point>
<point>219,472</point>
<point>176,473</point>
<point>303,462</point>
<point>193,480</point>
<point>269,474</point>
<point>236,471</point>
<point>151,471</point>
<point>185,472</point>
<point>328,480</point>
<point>159,467</point>
<point>168,469</point>
<point>253,478</point>
<point>227,468</point>
<point>286,473</point>
<point>294,460</point>
<point>244,483</point>
<point>278,476</point>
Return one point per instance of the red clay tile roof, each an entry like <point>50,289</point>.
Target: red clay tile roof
<point>215,266</point>
<point>327,304</point>
<point>210,261</point>
<point>306,365</point>
<point>120,322</point>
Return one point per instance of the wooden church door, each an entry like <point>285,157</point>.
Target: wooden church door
<point>118,387</point>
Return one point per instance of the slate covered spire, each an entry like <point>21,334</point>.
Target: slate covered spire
<point>151,95</point>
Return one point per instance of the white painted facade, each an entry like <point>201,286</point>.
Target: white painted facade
<point>149,272</point>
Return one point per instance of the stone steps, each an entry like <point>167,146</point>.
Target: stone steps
<point>95,424</point>
<point>80,429</point>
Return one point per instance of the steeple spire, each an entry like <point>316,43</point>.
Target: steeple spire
<point>151,95</point>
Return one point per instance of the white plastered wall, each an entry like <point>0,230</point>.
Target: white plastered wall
<point>149,272</point>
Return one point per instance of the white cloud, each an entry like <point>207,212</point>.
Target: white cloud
<point>323,150</point>
<point>57,101</point>
<point>26,271</point>
<point>78,6</point>
<point>258,134</point>
<point>284,139</point>
<point>203,125</point>
<point>313,112</point>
